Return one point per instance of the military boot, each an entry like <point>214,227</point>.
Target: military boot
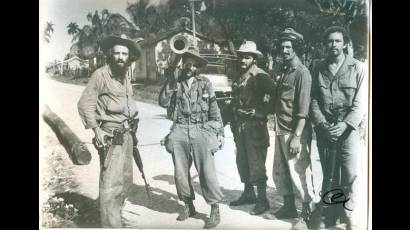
<point>288,210</point>
<point>303,219</point>
<point>262,203</point>
<point>189,210</point>
<point>214,217</point>
<point>248,196</point>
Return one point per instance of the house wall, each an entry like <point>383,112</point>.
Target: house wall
<point>74,64</point>
<point>139,68</point>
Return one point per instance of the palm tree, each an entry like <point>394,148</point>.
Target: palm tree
<point>74,30</point>
<point>48,31</point>
<point>86,40</point>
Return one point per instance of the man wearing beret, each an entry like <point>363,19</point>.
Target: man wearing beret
<point>292,172</point>
<point>106,106</point>
<point>337,109</point>
<point>196,134</point>
<point>251,93</point>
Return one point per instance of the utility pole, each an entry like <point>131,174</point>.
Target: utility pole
<point>193,21</point>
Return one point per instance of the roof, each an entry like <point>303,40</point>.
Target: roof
<point>69,60</point>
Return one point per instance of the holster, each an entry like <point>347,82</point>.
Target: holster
<point>118,137</point>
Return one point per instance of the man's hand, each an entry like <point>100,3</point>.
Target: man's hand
<point>99,136</point>
<point>338,129</point>
<point>295,146</point>
<point>324,127</point>
<point>221,141</point>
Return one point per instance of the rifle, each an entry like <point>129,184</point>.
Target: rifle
<point>137,156</point>
<point>315,218</point>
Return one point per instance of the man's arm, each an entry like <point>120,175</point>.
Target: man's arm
<point>214,113</point>
<point>358,108</point>
<point>267,88</point>
<point>88,103</point>
<point>87,106</point>
<point>302,97</point>
<point>316,114</point>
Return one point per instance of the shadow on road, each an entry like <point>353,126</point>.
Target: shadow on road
<point>160,116</point>
<point>88,210</point>
<point>275,201</point>
<point>162,201</point>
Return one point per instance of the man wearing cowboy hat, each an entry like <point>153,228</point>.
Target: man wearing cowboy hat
<point>196,134</point>
<point>106,106</point>
<point>251,136</point>
<point>292,166</point>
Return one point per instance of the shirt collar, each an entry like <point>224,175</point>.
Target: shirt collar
<point>347,63</point>
<point>252,70</point>
<point>292,65</point>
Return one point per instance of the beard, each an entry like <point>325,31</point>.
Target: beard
<point>119,68</point>
<point>186,74</point>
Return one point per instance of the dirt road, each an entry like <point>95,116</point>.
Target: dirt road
<point>161,213</point>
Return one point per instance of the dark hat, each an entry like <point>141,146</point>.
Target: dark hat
<point>290,34</point>
<point>194,53</point>
<point>123,40</point>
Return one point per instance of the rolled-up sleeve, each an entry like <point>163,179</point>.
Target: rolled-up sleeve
<point>359,103</point>
<point>303,90</point>
<point>88,103</point>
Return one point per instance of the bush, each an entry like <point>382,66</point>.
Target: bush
<point>56,213</point>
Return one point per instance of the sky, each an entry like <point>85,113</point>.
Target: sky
<point>61,13</point>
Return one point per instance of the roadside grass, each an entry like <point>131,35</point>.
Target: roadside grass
<point>70,79</point>
<point>58,179</point>
<point>147,92</point>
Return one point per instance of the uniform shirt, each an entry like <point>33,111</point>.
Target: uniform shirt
<point>197,105</point>
<point>105,99</point>
<point>293,95</point>
<point>341,97</point>
<point>250,89</point>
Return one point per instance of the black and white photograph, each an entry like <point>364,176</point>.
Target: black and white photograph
<point>205,114</point>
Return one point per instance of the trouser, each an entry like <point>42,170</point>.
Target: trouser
<point>292,173</point>
<point>191,143</point>
<point>252,142</point>
<point>345,174</point>
<point>115,181</point>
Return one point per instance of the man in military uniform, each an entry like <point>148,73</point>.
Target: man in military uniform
<point>337,108</point>
<point>292,172</point>
<point>197,133</point>
<point>106,106</point>
<point>251,95</point>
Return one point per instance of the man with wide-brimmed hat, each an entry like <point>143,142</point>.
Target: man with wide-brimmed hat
<point>292,172</point>
<point>196,134</point>
<point>251,93</point>
<point>106,106</point>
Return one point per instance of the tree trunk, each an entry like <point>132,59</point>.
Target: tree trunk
<point>75,148</point>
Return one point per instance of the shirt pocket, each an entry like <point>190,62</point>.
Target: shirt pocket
<point>287,94</point>
<point>324,89</point>
<point>348,89</point>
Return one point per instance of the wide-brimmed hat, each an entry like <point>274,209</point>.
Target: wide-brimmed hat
<point>290,34</point>
<point>123,40</point>
<point>194,53</point>
<point>250,48</point>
